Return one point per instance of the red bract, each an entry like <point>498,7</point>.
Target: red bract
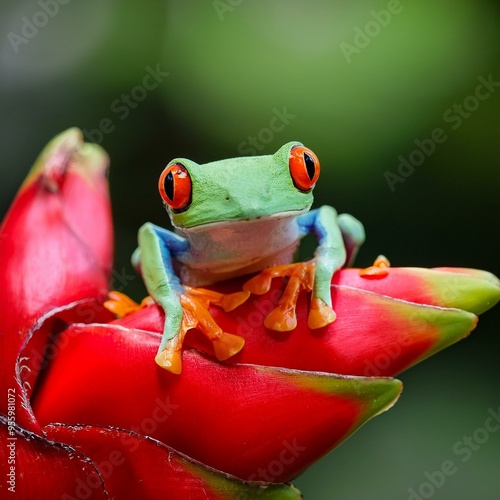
<point>135,466</point>
<point>53,469</point>
<point>375,334</point>
<point>385,324</point>
<point>108,422</point>
<point>122,465</point>
<point>56,251</point>
<point>238,418</point>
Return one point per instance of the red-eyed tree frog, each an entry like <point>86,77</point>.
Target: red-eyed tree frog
<point>236,217</point>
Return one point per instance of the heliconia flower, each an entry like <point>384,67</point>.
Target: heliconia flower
<point>374,335</point>
<point>212,412</point>
<point>56,253</point>
<point>385,323</point>
<point>123,465</point>
<point>105,421</point>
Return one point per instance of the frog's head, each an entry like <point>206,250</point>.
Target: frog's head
<point>245,188</point>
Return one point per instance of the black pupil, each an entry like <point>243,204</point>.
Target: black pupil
<point>310,166</point>
<point>168,185</point>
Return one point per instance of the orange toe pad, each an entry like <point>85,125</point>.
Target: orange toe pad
<point>379,269</point>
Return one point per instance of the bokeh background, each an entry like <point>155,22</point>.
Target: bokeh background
<point>357,83</point>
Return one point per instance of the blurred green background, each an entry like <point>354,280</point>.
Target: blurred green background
<point>361,83</point>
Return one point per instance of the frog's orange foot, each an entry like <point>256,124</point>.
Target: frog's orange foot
<point>170,358</point>
<point>379,269</point>
<point>301,277</point>
<point>228,301</point>
<point>122,305</point>
<point>320,314</point>
<point>195,303</point>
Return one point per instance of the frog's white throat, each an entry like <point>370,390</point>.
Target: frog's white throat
<point>224,250</point>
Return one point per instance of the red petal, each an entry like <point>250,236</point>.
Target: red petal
<point>373,335</point>
<point>469,289</point>
<point>55,249</point>
<point>252,422</point>
<point>134,466</point>
<point>32,467</point>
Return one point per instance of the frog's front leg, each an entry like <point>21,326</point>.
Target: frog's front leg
<point>154,260</point>
<point>330,256</point>
<point>184,307</point>
<point>339,238</point>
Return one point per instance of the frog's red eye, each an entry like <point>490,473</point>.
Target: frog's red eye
<point>304,168</point>
<point>175,186</point>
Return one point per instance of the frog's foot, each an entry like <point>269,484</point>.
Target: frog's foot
<point>122,305</point>
<point>301,277</point>
<point>228,301</point>
<point>169,358</point>
<point>320,314</point>
<point>195,303</point>
<point>379,269</point>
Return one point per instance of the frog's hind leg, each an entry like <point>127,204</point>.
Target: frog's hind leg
<point>353,234</point>
<point>300,277</point>
<point>196,302</point>
<point>122,305</point>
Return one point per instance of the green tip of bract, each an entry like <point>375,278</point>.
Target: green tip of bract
<point>372,395</point>
<point>469,289</point>
<point>434,327</point>
<point>267,492</point>
<point>379,394</point>
<point>68,151</point>
<point>450,325</point>
<point>226,486</point>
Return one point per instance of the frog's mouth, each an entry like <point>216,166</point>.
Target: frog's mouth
<point>263,220</point>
